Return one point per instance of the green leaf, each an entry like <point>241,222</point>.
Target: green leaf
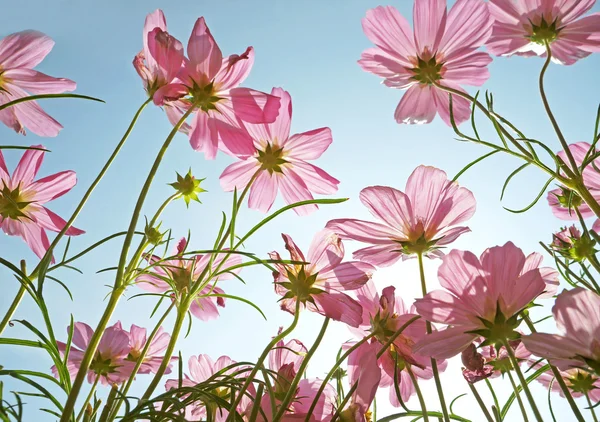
<point>241,299</point>
<point>472,163</point>
<point>46,96</point>
<point>25,148</point>
<point>510,176</point>
<point>537,198</point>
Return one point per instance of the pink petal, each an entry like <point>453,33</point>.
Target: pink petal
<point>390,31</point>
<point>315,179</point>
<point>204,136</point>
<point>572,9</point>
<point>31,115</point>
<point>462,274</point>
<point>254,106</point>
<point>339,307</point>
<point>444,344</point>
<point>577,313</point>
<point>390,205</point>
<point>325,252</point>
<point>469,26</point>
<point>36,238</point>
<point>167,95</point>
<point>50,221</point>
<point>293,190</point>
<point>292,352</point>
<point>28,166</point>
<point>553,346</point>
<point>551,279</point>
<point>235,69</point>
<point>380,63</point>
<point>263,191</point>
<point>470,69</point>
<point>503,265</point>
<point>37,82</point>
<point>204,53</point>
<point>8,116</point>
<point>379,255</point>
<point>153,20</point>
<point>137,337</point>
<point>238,174</point>
<point>566,52</point>
<point>429,20</point>
<point>363,231</point>
<point>204,308</point>
<point>309,145</point>
<point>54,186</point>
<point>24,49</point>
<point>82,333</point>
<point>114,343</point>
<point>461,108</point>
<point>441,306</point>
<point>4,175</point>
<point>295,252</point>
<point>416,106</point>
<point>201,368</point>
<point>347,276</point>
<point>167,52</point>
<point>233,140</point>
<point>364,370</point>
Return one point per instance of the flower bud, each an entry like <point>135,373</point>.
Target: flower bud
<point>188,187</point>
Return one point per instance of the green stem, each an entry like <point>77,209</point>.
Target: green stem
<point>589,199</point>
<point>434,368</point>
<point>182,311</point>
<point>522,380</point>
<point>419,414</point>
<point>88,193</point>
<point>12,309</point>
<point>418,391</point>
<point>559,133</point>
<point>292,389</point>
<point>518,396</point>
<point>332,371</point>
<point>480,402</point>
<point>591,407</point>
<point>88,398</point>
<point>118,286</point>
<point>559,378</point>
<point>139,362</point>
<point>261,359</point>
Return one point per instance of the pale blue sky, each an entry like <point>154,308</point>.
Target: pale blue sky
<point>309,48</point>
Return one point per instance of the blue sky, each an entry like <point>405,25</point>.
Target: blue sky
<point>309,48</point>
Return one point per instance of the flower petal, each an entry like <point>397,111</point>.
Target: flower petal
<point>37,82</point>
<point>204,53</point>
<point>429,20</point>
<point>417,105</point>
<point>390,31</point>
<point>54,186</point>
<point>24,49</point>
<point>444,344</point>
<point>263,192</point>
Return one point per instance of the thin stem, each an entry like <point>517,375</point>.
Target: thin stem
<point>88,398</point>
<point>434,367</point>
<point>88,193</point>
<point>292,388</point>
<point>523,381</point>
<point>518,396</point>
<point>261,359</point>
<point>480,402</point>
<point>588,198</point>
<point>559,133</point>
<point>418,391</point>
<point>13,308</point>
<point>118,286</point>
<point>559,378</point>
<point>332,371</point>
<point>139,362</point>
<point>182,311</point>
<point>591,407</point>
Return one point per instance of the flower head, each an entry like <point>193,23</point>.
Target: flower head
<point>442,52</point>
<point>155,353</point>
<point>419,220</point>
<point>110,363</point>
<point>280,163</point>
<point>577,316</point>
<point>188,187</point>
<point>19,54</point>
<point>209,83</point>
<point>578,381</point>
<point>22,200</point>
<point>180,273</point>
<point>489,362</point>
<point>571,244</point>
<point>319,285</point>
<point>483,298</point>
<point>161,58</point>
<point>525,27</point>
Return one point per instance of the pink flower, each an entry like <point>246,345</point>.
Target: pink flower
<point>209,83</point>
<point>109,363</point>
<point>418,221</point>
<point>203,368</point>
<point>577,316</point>
<point>19,54</point>
<point>161,58</point>
<point>180,273</point>
<point>363,371</point>
<point>572,244</point>
<point>442,51</point>
<point>320,284</point>
<point>488,363</point>
<point>523,27</point>
<point>155,354</point>
<point>563,201</point>
<point>483,297</point>
<point>578,381</point>
<point>22,210</point>
<point>385,315</point>
<point>280,163</point>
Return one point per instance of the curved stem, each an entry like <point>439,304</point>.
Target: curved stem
<point>118,286</point>
<point>13,308</point>
<point>332,371</point>
<point>517,368</point>
<point>559,133</point>
<point>292,388</point>
<point>261,359</point>
<point>139,362</point>
<point>434,367</point>
<point>418,391</point>
<point>182,311</point>
<point>88,193</point>
<point>480,402</point>
<point>88,398</point>
<point>591,407</point>
<point>518,396</point>
<point>559,378</point>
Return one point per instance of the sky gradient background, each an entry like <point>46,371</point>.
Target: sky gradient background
<point>309,48</point>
